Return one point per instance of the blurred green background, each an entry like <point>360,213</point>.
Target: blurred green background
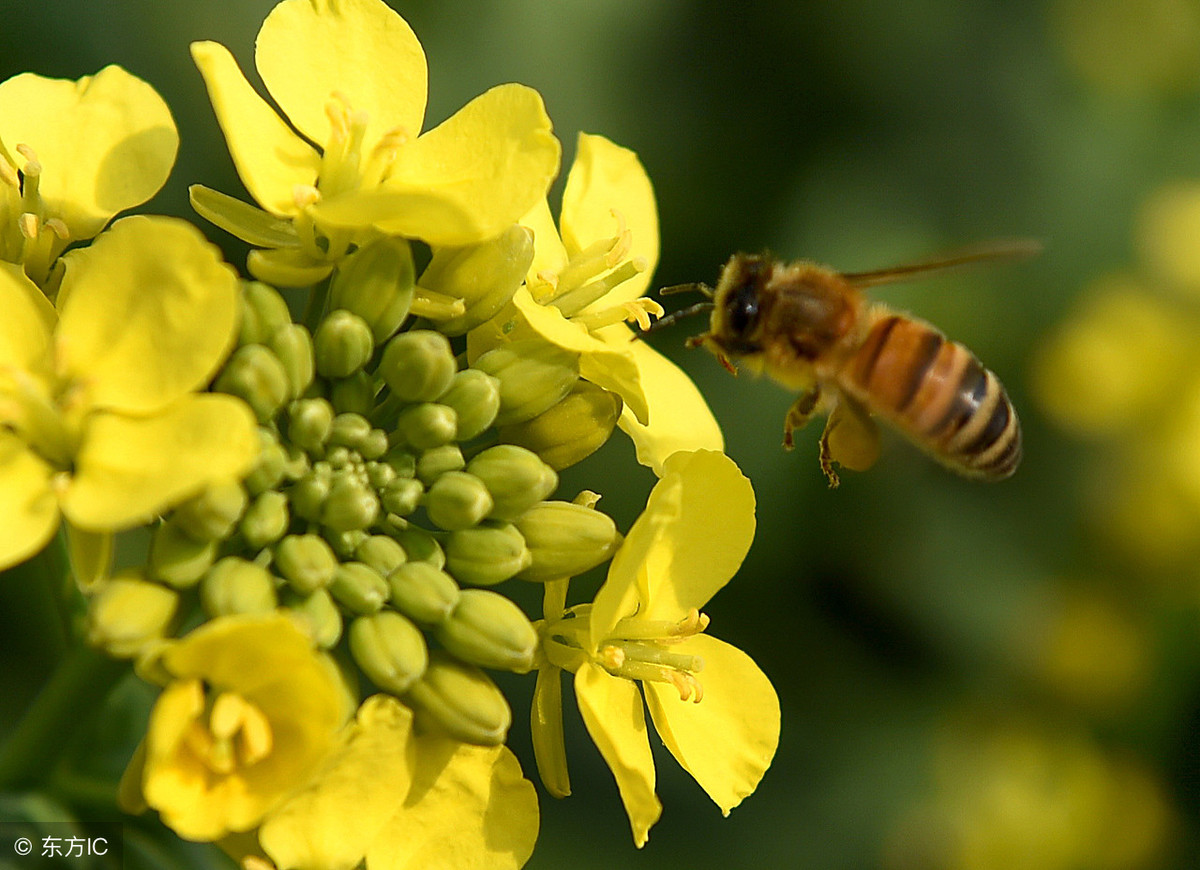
<point>971,676</point>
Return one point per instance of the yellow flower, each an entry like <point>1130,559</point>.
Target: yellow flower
<point>403,800</point>
<point>584,285</point>
<point>713,708</point>
<point>350,76</point>
<point>97,419</point>
<point>251,711</point>
<point>85,150</point>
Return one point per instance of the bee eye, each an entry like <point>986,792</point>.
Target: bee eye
<point>742,308</point>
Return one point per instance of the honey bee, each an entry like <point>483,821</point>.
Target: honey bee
<point>812,329</point>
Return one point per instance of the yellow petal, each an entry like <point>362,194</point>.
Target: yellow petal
<point>470,808</point>
<point>28,510</point>
<point>271,160</point>
<point>130,469</point>
<point>286,267</point>
<point>679,418</point>
<point>613,713</point>
<point>330,824</point>
<point>727,740</point>
<point>309,49</point>
<point>464,181</point>
<point>25,343</point>
<point>106,142</point>
<point>606,177</point>
<point>643,551</point>
<point>549,255</point>
<point>148,312</point>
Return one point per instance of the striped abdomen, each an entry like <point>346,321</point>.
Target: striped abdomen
<point>936,392</point>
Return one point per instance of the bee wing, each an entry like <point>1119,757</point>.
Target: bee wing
<point>997,250</point>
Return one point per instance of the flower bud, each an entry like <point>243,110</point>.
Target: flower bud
<point>306,562</point>
<point>266,520</point>
<point>516,478</point>
<point>309,423</point>
<point>381,553</point>
<point>255,375</point>
<point>390,650</point>
<point>457,500</point>
<point>234,585</point>
<point>178,559</point>
<point>374,445</point>
<point>379,474</point>
<point>262,310</point>
<point>475,397</point>
<point>271,466</point>
<point>128,613</point>
<point>294,347</point>
<point>342,345</point>
<point>565,539</point>
<point>344,543</point>
<point>488,630</point>
<point>349,430</point>
<point>461,701</point>
<point>436,461</point>
<point>213,513</point>
<point>423,592</point>
<point>426,425</point>
<point>420,546</point>
<point>484,276</point>
<point>570,431</point>
<point>401,496</point>
<point>353,395</point>
<point>418,365</point>
<point>486,555</point>
<point>358,587</point>
<point>317,616</point>
<point>307,495</point>
<point>402,460</point>
<point>376,283</point>
<point>349,505</point>
<point>534,375</point>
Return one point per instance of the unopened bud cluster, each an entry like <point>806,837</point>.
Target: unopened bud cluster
<point>394,486</point>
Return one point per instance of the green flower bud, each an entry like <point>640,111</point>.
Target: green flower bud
<point>401,496</point>
<point>461,701</point>
<point>178,559</point>
<point>353,395</point>
<point>349,430</point>
<point>266,520</point>
<point>381,553</point>
<point>423,592</point>
<point>436,461</point>
<point>272,463</point>
<point>234,585</point>
<point>516,478</point>
<point>128,613</point>
<point>255,375</point>
<point>294,347</point>
<point>307,495</point>
<point>457,500</point>
<point>317,616</point>
<point>376,283</point>
<point>375,445</point>
<point>420,546</point>
<point>380,474</point>
<point>534,375</point>
<point>213,513</point>
<point>342,345</point>
<point>475,397</point>
<point>358,587</point>
<point>298,463</point>
<point>488,630</point>
<point>418,365</point>
<point>565,539</point>
<point>570,431</point>
<point>390,650</point>
<point>263,311</point>
<point>486,555</point>
<point>484,276</point>
<point>306,562</point>
<point>402,460</point>
<point>344,543</point>
<point>349,505</point>
<point>309,423</point>
<point>427,425</point>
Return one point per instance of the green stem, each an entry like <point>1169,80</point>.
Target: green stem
<point>77,686</point>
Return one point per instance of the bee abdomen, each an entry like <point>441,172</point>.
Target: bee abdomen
<point>936,392</point>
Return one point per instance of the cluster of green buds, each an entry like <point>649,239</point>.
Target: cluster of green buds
<point>397,485</point>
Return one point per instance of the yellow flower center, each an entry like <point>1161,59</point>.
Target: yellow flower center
<point>236,735</point>
<point>27,234</point>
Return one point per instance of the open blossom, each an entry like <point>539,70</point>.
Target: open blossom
<point>714,709</point>
<point>351,78</point>
<point>98,420</point>
<point>72,155</point>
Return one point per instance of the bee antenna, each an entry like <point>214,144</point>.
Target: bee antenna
<point>693,287</point>
<point>676,316</point>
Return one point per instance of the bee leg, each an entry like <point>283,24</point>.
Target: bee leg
<point>799,414</point>
<point>851,439</point>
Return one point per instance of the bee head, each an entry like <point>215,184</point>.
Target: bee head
<point>737,304</point>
